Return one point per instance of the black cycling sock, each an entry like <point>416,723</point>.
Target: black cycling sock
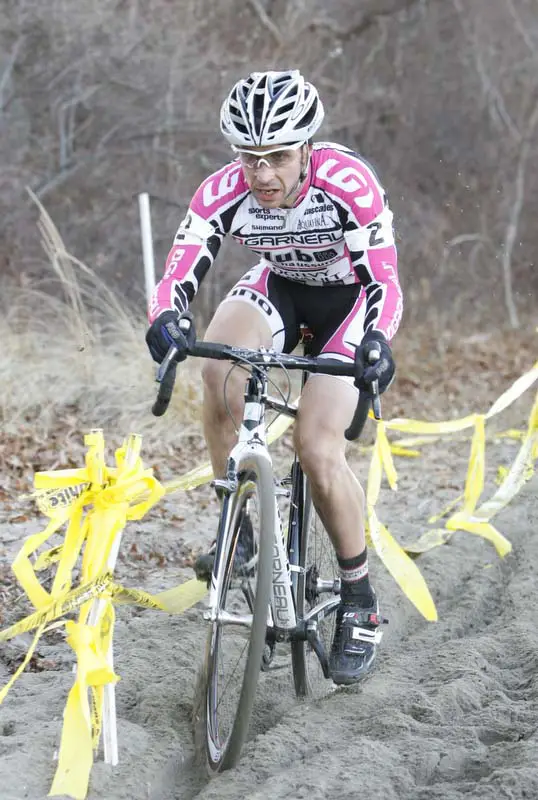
<point>355,584</point>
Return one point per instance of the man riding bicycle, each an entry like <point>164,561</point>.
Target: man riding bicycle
<point>318,220</point>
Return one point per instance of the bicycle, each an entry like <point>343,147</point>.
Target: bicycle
<point>272,592</point>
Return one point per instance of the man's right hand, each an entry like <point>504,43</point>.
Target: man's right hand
<point>168,329</point>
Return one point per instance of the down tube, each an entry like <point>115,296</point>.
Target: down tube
<point>283,606</point>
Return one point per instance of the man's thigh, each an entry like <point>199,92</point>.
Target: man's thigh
<point>237,323</point>
<point>268,296</point>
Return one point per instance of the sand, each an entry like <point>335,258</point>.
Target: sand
<point>451,710</point>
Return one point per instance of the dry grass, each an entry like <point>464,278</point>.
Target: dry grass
<point>74,358</point>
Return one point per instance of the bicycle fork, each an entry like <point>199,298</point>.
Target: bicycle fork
<point>282,611</point>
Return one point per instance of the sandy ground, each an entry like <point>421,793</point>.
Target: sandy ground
<point>450,712</point>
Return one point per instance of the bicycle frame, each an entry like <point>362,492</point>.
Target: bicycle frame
<point>282,620</point>
<point>252,437</point>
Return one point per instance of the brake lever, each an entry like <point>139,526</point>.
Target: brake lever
<point>185,326</point>
<point>165,363</point>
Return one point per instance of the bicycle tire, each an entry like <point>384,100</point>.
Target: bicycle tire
<point>222,751</point>
<point>316,553</point>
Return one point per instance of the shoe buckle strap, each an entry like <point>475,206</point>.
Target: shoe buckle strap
<point>366,635</point>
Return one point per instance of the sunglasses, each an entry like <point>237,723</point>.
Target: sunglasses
<point>275,159</point>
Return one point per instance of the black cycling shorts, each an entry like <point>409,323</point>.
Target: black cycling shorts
<point>334,314</point>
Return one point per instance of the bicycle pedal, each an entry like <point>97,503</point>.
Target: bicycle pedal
<point>203,567</point>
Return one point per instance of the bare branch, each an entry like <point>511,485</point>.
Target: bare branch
<point>513,221</point>
<point>497,105</point>
<point>4,80</point>
<point>366,21</point>
<point>57,180</point>
<point>521,28</point>
<point>267,22</point>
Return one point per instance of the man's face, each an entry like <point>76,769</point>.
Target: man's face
<point>272,174</point>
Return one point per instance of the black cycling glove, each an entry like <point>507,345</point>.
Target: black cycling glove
<point>381,370</point>
<point>168,329</point>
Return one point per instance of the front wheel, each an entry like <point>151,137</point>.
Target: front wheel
<point>236,638</point>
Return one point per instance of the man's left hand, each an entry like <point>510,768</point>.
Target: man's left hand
<point>381,370</point>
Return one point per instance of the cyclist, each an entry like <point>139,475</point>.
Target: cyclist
<point>319,223</point>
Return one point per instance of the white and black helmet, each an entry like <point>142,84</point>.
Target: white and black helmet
<point>271,108</point>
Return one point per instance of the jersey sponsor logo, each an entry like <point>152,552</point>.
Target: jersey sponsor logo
<point>262,227</point>
<point>283,239</point>
<point>267,215</point>
<point>311,275</point>
<point>176,254</point>
<point>319,209</point>
<point>216,189</point>
<point>254,296</point>
<point>294,257</point>
<point>347,179</point>
<point>313,222</point>
<point>268,222</point>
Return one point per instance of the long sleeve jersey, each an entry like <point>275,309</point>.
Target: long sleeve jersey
<point>339,231</point>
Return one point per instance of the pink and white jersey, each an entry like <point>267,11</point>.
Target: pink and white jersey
<point>339,231</point>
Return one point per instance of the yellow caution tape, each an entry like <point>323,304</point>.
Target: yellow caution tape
<point>48,558</point>
<point>516,390</point>
<point>404,571</point>
<point>476,520</point>
<point>401,567</point>
<point>446,510</point>
<point>428,540</point>
<point>466,522</point>
<point>21,667</point>
<point>429,428</point>
<point>385,455</point>
<point>474,483</point>
<point>397,450</point>
<point>415,441</point>
<point>94,503</point>
<point>512,433</point>
<point>180,598</point>
<point>521,471</point>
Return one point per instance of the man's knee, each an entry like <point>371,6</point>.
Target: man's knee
<point>235,324</point>
<point>319,449</point>
<point>223,393</point>
<point>214,375</point>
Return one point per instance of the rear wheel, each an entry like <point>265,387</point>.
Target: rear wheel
<point>236,638</point>
<point>317,582</point>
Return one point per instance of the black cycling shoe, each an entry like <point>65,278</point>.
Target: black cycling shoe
<point>355,640</point>
<point>203,566</point>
